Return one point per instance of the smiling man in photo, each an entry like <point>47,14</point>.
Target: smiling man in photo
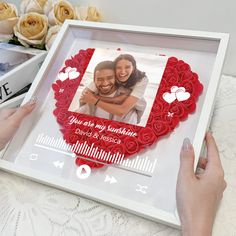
<point>106,86</point>
<point>104,79</point>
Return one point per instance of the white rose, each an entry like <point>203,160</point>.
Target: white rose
<point>93,14</point>
<point>8,19</point>
<point>88,13</point>
<point>27,6</point>
<point>51,35</point>
<point>31,29</point>
<point>58,11</point>
<point>82,12</point>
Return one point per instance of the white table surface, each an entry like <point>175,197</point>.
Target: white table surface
<point>29,208</point>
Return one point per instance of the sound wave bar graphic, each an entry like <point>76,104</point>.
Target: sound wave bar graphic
<point>80,149</point>
<point>143,165</point>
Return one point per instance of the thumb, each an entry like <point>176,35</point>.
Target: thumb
<point>186,159</point>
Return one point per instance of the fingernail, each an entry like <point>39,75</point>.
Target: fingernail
<point>209,132</point>
<point>200,170</point>
<point>186,144</point>
<point>32,101</point>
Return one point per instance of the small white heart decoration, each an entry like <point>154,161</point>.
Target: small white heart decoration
<point>182,96</point>
<point>181,88</point>
<point>62,76</point>
<point>169,97</point>
<point>173,89</point>
<point>73,74</point>
<point>176,88</point>
<point>73,69</point>
<point>68,69</point>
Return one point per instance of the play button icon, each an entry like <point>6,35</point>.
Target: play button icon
<point>83,172</point>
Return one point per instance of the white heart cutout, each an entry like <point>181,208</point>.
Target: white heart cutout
<point>68,69</point>
<point>169,97</point>
<point>181,88</point>
<point>182,96</point>
<point>62,76</point>
<point>73,74</point>
<point>175,88</point>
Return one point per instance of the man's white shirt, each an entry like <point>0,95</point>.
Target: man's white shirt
<point>102,113</point>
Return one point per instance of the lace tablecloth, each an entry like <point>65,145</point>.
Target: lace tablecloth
<point>29,208</point>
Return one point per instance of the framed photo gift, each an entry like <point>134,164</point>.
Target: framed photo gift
<point>114,105</point>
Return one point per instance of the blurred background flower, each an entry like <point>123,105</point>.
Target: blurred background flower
<point>31,29</point>
<point>40,21</point>
<point>58,11</point>
<point>89,13</point>
<point>27,6</point>
<point>8,18</point>
<point>51,35</point>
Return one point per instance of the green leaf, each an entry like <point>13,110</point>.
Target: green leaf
<point>14,40</point>
<point>39,46</point>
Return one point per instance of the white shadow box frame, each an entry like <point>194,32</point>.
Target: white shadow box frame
<point>203,51</point>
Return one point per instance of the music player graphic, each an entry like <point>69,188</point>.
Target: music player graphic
<point>139,165</point>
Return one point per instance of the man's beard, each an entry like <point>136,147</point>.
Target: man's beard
<point>107,91</point>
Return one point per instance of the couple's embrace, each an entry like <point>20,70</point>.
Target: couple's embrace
<point>116,92</point>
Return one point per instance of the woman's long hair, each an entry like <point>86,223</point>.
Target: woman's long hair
<point>136,75</point>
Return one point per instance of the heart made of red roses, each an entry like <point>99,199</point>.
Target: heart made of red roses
<point>98,141</point>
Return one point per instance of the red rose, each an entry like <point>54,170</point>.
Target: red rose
<point>72,138</point>
<point>131,145</point>
<point>171,71</point>
<point>63,103</point>
<point>189,104</point>
<point>182,66</point>
<point>133,128</point>
<point>117,148</point>
<point>178,109</point>
<point>189,86</point>
<point>172,61</point>
<point>146,136</point>
<point>71,63</point>
<point>151,117</point>
<point>160,128</point>
<point>159,107</point>
<point>188,75</point>
<point>62,116</point>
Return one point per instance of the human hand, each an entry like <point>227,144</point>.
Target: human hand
<point>198,195</point>
<point>88,97</point>
<point>10,120</point>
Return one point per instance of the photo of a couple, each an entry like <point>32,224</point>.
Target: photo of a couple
<point>117,90</point>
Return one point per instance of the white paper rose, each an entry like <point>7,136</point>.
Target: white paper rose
<point>27,6</point>
<point>31,29</point>
<point>88,13</point>
<point>8,19</point>
<point>58,11</point>
<point>51,35</point>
